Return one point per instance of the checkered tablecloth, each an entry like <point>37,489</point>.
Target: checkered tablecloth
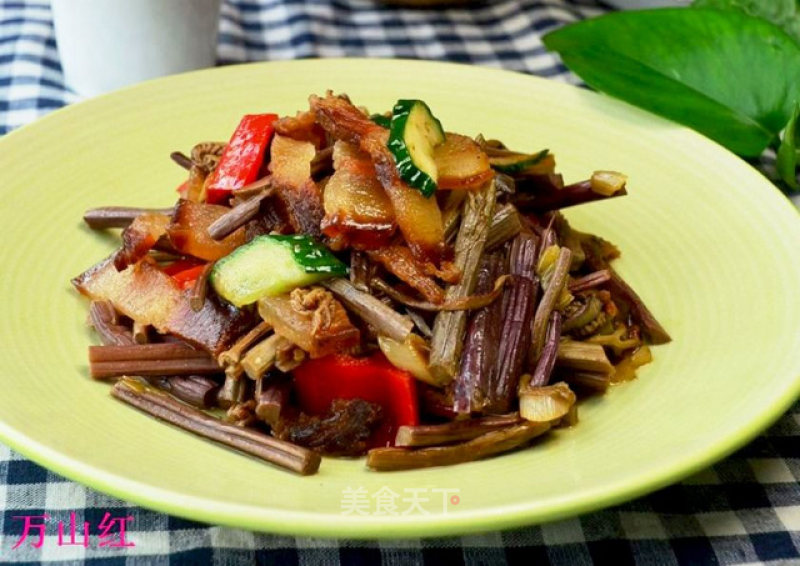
<point>746,509</point>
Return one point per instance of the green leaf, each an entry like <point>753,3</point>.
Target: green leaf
<point>783,13</point>
<point>789,152</point>
<point>732,77</point>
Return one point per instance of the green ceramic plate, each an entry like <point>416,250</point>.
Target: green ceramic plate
<point>711,246</point>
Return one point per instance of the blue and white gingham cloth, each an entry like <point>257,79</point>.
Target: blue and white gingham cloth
<point>744,510</point>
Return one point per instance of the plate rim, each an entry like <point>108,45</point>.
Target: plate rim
<point>304,523</point>
<point>371,527</point>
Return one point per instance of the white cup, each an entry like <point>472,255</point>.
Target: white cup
<point>108,44</point>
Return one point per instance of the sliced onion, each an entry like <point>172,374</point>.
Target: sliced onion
<point>626,369</point>
<point>546,404</point>
<point>615,340</point>
<point>571,418</point>
<point>410,355</point>
<point>607,183</point>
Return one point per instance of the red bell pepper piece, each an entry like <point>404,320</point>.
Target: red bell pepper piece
<point>182,189</point>
<point>180,265</point>
<point>318,382</point>
<point>242,158</point>
<point>186,278</point>
<point>184,271</point>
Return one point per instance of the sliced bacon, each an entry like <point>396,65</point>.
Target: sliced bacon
<point>399,261</point>
<point>301,127</point>
<point>149,296</point>
<point>358,212</point>
<point>139,238</point>
<point>418,217</point>
<point>188,231</point>
<point>447,272</point>
<point>296,193</point>
<point>461,163</point>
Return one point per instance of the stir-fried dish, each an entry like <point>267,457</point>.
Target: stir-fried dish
<point>346,284</point>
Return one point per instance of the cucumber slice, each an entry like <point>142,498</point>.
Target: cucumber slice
<point>413,134</point>
<point>511,163</point>
<point>272,265</point>
<point>381,120</point>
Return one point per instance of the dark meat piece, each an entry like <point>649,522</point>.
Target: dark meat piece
<point>357,209</point>
<point>270,218</point>
<point>139,238</point>
<point>296,195</point>
<point>189,231</point>
<point>215,327</point>
<point>146,294</point>
<point>418,217</point>
<point>301,127</point>
<point>313,319</point>
<point>343,431</point>
<point>400,261</point>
